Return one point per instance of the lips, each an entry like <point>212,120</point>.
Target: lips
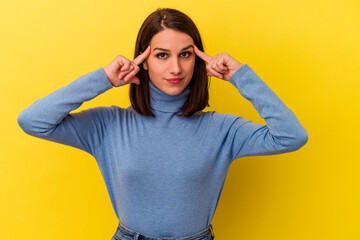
<point>174,80</point>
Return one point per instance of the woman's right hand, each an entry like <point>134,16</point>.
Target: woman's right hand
<point>122,71</point>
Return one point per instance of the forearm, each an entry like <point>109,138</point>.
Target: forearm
<point>285,129</point>
<point>44,114</point>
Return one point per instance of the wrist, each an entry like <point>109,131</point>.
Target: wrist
<point>108,76</point>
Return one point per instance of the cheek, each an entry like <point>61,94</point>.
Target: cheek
<point>190,65</point>
<point>155,68</point>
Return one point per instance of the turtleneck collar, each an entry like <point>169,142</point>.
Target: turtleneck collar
<point>163,102</point>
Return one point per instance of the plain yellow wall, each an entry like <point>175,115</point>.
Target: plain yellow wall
<point>307,51</point>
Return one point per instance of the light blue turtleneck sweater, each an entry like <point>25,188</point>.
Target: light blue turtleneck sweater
<point>165,174</point>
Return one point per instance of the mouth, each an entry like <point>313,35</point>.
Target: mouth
<point>174,80</point>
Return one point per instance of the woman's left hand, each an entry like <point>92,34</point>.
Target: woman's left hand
<point>222,66</point>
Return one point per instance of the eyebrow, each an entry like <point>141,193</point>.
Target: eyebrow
<point>167,50</point>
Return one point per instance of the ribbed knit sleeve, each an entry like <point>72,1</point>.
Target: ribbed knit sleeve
<point>49,117</point>
<point>282,132</point>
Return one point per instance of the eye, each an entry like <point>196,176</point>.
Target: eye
<point>186,54</point>
<point>161,55</point>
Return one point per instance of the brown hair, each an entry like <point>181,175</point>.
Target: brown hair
<point>161,19</point>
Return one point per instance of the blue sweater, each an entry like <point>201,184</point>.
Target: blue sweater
<point>164,174</point>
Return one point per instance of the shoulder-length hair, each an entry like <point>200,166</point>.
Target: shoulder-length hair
<point>161,19</point>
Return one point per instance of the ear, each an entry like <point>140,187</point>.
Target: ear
<point>145,66</point>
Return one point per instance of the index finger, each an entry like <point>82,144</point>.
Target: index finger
<point>139,59</point>
<point>202,55</point>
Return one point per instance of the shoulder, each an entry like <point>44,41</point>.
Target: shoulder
<point>224,122</point>
<point>106,112</point>
<point>221,117</point>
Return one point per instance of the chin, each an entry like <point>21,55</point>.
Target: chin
<point>173,92</point>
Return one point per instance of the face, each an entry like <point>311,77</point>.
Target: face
<point>171,61</point>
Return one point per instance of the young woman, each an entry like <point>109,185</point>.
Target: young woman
<point>163,159</point>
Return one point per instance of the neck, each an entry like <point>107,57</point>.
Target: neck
<point>163,102</point>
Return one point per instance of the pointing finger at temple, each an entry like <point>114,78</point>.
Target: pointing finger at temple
<point>202,55</point>
<point>139,59</point>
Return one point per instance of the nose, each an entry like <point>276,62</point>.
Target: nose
<point>175,67</point>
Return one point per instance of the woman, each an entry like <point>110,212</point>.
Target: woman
<point>163,160</point>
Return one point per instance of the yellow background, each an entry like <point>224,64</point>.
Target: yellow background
<point>307,51</point>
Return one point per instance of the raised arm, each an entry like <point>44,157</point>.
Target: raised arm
<point>49,117</point>
<point>282,132</point>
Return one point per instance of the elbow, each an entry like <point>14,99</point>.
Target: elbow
<point>24,122</point>
<point>293,142</point>
<point>299,140</point>
<point>28,124</point>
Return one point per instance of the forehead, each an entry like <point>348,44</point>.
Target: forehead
<point>171,39</point>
